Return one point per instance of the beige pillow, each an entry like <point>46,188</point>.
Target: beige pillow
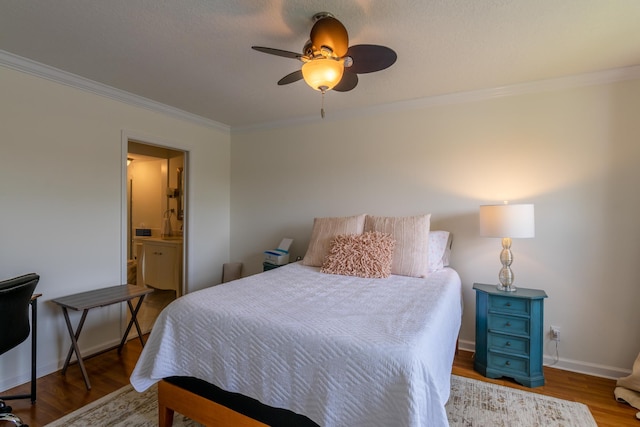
<point>411,234</point>
<point>362,255</point>
<point>324,230</point>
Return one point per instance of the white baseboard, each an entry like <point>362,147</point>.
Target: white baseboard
<point>54,366</point>
<point>571,365</point>
<point>582,367</point>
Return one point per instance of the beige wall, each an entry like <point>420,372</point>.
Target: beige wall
<point>574,153</point>
<point>61,194</point>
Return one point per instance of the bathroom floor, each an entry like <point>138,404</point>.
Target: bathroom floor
<point>151,307</point>
<point>153,304</point>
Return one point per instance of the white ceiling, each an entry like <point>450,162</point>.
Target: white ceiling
<point>196,55</point>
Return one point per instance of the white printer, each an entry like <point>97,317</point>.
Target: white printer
<point>280,255</point>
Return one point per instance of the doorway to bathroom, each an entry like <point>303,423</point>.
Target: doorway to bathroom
<point>155,224</point>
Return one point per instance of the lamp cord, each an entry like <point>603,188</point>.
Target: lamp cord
<point>557,357</point>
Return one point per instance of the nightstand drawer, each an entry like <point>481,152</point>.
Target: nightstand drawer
<point>508,325</point>
<point>508,344</point>
<point>514,365</point>
<point>509,305</point>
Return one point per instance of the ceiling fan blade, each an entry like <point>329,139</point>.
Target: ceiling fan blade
<point>290,78</point>
<point>349,81</point>
<point>368,58</point>
<point>330,32</point>
<point>278,52</point>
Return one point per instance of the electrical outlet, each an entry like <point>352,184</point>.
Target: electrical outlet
<point>555,333</point>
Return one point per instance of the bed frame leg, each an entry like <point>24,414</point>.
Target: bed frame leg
<point>165,414</point>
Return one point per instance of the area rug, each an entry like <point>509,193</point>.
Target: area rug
<point>472,403</point>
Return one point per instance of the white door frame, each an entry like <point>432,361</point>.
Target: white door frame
<point>127,136</point>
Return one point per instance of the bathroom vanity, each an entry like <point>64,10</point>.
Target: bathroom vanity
<point>160,263</point>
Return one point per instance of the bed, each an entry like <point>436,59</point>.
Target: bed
<point>331,349</point>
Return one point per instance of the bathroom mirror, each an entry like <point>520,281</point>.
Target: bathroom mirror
<point>180,198</point>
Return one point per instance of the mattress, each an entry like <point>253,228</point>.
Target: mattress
<point>340,350</point>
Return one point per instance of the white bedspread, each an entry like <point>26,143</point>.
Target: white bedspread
<point>344,351</point>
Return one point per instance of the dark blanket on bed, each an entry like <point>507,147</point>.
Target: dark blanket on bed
<point>252,408</point>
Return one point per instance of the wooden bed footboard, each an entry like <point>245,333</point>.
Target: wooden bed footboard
<point>172,398</point>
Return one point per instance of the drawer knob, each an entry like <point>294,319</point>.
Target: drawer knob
<point>508,304</point>
<point>507,363</point>
<point>508,344</point>
<point>508,324</point>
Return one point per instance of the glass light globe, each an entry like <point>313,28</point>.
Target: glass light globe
<point>323,74</point>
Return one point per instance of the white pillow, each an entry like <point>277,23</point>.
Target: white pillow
<point>439,250</point>
<point>411,233</point>
<point>324,230</point>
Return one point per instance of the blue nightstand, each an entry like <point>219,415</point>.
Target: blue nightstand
<point>266,266</point>
<point>509,334</point>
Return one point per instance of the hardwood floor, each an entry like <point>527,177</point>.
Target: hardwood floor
<point>595,392</point>
<point>59,395</point>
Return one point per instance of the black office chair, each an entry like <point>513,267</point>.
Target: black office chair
<point>15,298</point>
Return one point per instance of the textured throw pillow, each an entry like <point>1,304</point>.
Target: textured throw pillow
<point>325,229</point>
<point>362,255</point>
<point>411,234</point>
<point>439,250</point>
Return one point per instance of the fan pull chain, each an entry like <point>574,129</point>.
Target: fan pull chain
<point>322,106</point>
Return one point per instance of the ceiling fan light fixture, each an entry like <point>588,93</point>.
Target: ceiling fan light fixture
<point>322,73</point>
<point>327,54</point>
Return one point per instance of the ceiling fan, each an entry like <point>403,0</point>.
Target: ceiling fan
<point>328,60</point>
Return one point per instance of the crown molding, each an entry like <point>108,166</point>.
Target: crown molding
<point>37,69</point>
<point>28,66</point>
<point>539,86</point>
<point>549,85</point>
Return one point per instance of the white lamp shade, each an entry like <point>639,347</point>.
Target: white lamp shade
<point>514,221</point>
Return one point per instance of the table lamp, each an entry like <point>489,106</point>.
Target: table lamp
<point>507,221</point>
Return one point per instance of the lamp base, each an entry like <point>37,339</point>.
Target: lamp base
<point>506,275</point>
